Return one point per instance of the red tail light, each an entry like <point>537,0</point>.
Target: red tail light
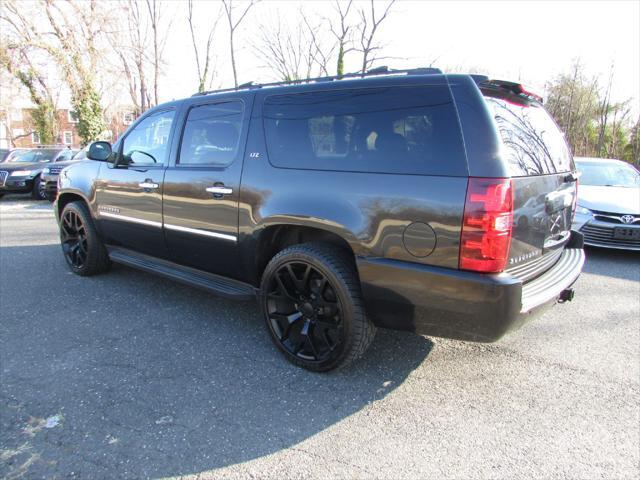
<point>486,226</point>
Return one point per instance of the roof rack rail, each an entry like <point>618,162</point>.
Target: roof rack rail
<point>369,73</point>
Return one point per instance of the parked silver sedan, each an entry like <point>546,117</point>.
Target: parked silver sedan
<point>608,211</point>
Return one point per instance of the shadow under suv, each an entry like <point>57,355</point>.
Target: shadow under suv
<point>342,205</point>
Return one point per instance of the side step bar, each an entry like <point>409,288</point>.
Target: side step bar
<point>216,284</point>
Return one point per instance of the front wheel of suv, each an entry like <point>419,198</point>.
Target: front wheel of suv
<point>313,308</point>
<point>82,248</point>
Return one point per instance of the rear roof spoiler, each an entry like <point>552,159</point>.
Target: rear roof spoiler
<point>513,87</point>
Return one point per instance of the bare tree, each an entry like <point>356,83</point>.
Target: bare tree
<point>342,34</point>
<point>233,25</point>
<point>160,34</point>
<point>293,53</point>
<point>318,48</point>
<point>203,65</point>
<point>604,113</point>
<point>130,42</point>
<point>369,26</point>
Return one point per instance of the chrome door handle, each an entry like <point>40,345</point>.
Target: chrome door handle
<point>148,185</point>
<point>220,190</point>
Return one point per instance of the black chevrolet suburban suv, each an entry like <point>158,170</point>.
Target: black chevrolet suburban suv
<point>413,200</point>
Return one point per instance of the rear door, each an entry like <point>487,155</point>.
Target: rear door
<point>202,185</point>
<point>544,184</point>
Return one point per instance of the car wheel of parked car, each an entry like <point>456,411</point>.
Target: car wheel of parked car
<point>313,307</point>
<point>1,195</point>
<point>50,197</point>
<point>38,193</point>
<point>84,251</point>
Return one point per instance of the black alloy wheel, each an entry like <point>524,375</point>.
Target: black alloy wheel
<point>73,237</point>
<point>82,248</point>
<point>304,312</point>
<point>312,307</point>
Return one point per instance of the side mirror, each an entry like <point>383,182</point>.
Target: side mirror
<point>100,151</point>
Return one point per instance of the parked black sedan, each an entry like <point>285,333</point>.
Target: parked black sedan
<point>21,174</point>
<point>7,154</point>
<point>49,175</point>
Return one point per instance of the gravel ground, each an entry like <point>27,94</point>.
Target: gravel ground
<point>126,375</point>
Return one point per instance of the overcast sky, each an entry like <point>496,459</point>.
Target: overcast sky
<point>530,41</point>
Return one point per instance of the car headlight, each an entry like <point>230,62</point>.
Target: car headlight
<point>46,170</point>
<point>582,210</point>
<point>21,173</point>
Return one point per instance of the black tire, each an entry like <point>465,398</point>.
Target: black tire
<point>82,248</point>
<point>314,290</point>
<point>51,197</point>
<point>37,192</point>
<point>1,195</point>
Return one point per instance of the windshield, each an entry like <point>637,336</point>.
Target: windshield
<point>604,174</point>
<point>34,156</point>
<point>81,155</point>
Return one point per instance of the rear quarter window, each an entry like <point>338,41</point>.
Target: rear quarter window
<point>398,130</point>
<point>532,142</point>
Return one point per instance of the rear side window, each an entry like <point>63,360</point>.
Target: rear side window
<point>403,130</point>
<point>211,134</point>
<point>533,143</point>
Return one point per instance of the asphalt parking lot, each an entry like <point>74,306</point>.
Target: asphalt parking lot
<point>127,375</point>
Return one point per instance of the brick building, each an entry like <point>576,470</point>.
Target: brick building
<point>17,127</point>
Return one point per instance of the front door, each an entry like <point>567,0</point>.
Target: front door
<point>201,187</point>
<point>129,192</point>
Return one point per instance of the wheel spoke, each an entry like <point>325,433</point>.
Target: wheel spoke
<point>327,339</point>
<point>307,334</point>
<point>299,284</point>
<point>67,224</point>
<point>283,289</point>
<point>313,347</point>
<point>288,321</point>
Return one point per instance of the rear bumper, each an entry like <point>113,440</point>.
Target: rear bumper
<point>457,304</point>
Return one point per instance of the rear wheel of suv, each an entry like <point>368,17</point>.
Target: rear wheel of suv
<point>38,193</point>
<point>83,250</point>
<point>313,307</point>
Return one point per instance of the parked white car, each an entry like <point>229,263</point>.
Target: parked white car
<point>608,211</point>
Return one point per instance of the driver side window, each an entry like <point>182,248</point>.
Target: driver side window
<point>147,144</point>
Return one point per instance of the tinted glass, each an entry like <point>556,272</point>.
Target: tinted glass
<point>148,142</point>
<point>37,155</point>
<point>405,130</point>
<point>81,155</point>
<point>608,174</point>
<point>533,143</point>
<point>65,155</point>
<point>211,134</point>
